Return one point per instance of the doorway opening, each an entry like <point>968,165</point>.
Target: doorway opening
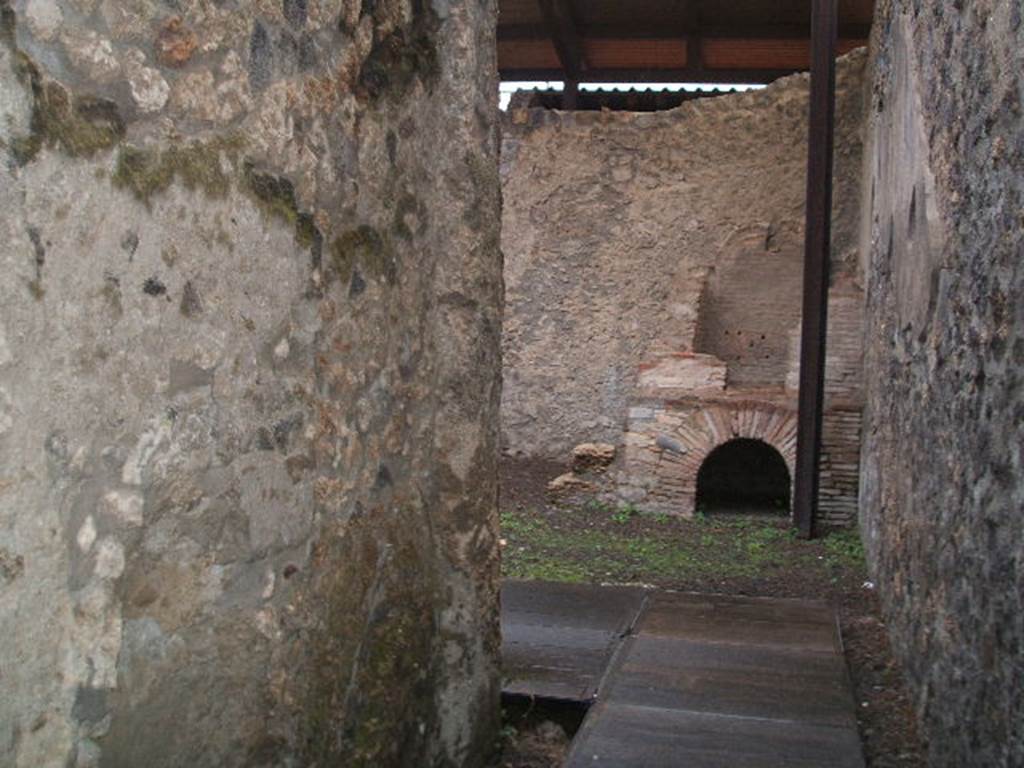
<point>744,476</point>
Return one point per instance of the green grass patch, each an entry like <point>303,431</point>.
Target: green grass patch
<point>616,547</point>
<point>844,549</point>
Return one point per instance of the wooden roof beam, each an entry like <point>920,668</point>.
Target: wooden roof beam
<point>561,28</point>
<point>509,32</point>
<point>694,52</point>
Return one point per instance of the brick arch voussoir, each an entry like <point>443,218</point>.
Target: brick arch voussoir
<point>715,426</point>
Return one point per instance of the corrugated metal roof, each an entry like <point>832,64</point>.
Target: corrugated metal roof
<point>664,40</point>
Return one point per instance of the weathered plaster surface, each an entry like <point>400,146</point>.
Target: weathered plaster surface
<point>943,477</point>
<point>249,374</point>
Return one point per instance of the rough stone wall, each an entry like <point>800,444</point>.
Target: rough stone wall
<point>628,236</point>
<point>943,476</point>
<point>249,376</point>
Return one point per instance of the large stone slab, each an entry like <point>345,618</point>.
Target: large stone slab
<point>558,639</point>
<point>709,681</point>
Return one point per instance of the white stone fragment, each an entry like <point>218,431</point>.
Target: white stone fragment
<point>211,583</point>
<point>109,559</point>
<point>15,100</point>
<point>88,754</point>
<point>140,456</point>
<point>6,411</point>
<point>282,350</point>
<point>91,54</point>
<point>44,18</point>
<point>270,581</point>
<point>266,624</point>
<point>124,506</point>
<point>96,636</point>
<point>86,534</point>
<point>149,89</point>
<point>5,348</point>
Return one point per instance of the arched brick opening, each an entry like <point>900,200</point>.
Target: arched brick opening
<point>744,475</point>
<point>710,427</point>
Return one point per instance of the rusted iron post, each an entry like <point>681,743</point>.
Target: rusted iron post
<point>817,252</point>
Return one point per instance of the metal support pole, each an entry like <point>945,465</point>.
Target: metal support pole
<point>816,264</point>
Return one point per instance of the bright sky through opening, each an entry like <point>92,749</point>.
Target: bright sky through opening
<point>508,88</point>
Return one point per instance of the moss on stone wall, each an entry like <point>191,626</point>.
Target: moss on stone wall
<point>401,58</point>
<point>198,165</point>
<point>207,166</point>
<point>372,700</point>
<point>275,196</point>
<point>410,217</point>
<point>80,126</point>
<point>8,23</point>
<point>366,249</point>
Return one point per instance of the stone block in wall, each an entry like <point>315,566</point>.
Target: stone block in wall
<point>681,375</point>
<point>637,413</point>
<point>587,457</point>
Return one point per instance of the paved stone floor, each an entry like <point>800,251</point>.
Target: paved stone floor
<point>684,680</point>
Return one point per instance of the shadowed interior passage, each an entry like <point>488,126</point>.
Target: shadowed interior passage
<point>746,476</point>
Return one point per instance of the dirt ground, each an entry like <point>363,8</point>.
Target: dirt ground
<point>584,539</point>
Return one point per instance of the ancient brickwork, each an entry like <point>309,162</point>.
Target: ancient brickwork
<point>667,443</point>
<point>749,305</point>
<point>653,266</point>
<point>839,478</point>
<point>844,345</point>
<point>943,470</point>
<point>249,376</point>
